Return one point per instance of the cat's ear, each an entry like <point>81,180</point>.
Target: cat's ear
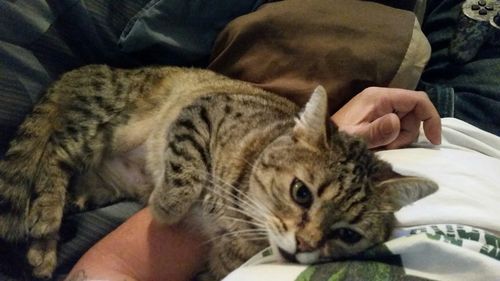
<point>311,124</point>
<point>400,191</point>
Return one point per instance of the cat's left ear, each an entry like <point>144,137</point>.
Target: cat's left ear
<point>310,126</point>
<point>400,191</point>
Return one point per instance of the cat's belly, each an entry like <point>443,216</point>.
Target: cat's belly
<point>124,176</point>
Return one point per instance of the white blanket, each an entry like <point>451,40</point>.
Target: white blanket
<point>453,234</point>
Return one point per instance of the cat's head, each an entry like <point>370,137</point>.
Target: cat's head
<point>323,194</point>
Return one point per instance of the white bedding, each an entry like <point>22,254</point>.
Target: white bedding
<point>467,169</point>
<point>453,234</point>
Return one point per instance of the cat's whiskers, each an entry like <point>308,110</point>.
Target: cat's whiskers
<point>252,210</point>
<point>254,217</point>
<point>214,182</point>
<point>254,223</point>
<point>264,206</point>
<point>261,205</point>
<point>253,167</point>
<point>241,193</point>
<point>258,224</point>
<point>257,218</point>
<point>256,211</point>
<point>244,232</point>
<point>257,239</point>
<point>259,208</point>
<point>253,234</point>
<point>251,205</point>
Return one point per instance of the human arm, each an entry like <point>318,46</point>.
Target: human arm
<point>142,250</point>
<point>390,118</point>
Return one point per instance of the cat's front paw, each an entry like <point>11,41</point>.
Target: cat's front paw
<point>45,217</point>
<point>42,256</point>
<point>169,207</point>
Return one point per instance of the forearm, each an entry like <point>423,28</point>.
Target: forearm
<point>96,265</point>
<point>140,249</point>
<point>82,274</point>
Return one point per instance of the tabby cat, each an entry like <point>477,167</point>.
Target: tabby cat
<point>249,168</point>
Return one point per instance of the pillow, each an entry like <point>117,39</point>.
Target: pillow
<point>417,6</point>
<point>40,40</point>
<point>288,47</point>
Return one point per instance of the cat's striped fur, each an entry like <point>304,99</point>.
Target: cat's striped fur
<point>231,158</point>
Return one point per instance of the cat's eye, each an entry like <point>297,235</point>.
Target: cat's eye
<point>300,193</point>
<point>346,235</point>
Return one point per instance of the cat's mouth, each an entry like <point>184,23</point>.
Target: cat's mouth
<point>287,256</point>
<point>300,257</point>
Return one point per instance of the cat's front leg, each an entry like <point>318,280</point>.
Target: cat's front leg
<point>186,174</point>
<point>171,201</point>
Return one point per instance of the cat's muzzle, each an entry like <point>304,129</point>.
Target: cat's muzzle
<point>300,257</point>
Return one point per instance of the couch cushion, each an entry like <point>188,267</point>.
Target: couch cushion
<point>288,47</point>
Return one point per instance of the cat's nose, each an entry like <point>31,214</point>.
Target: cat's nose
<point>303,245</point>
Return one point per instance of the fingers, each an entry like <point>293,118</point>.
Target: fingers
<point>409,132</point>
<point>383,131</point>
<point>427,113</point>
<point>380,132</point>
<point>389,117</point>
<point>432,130</point>
<point>419,105</point>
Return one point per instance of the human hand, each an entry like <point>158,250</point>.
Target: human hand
<point>389,117</point>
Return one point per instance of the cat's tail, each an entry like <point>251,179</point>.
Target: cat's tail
<point>20,168</point>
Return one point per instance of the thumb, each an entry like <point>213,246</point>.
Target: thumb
<point>382,131</point>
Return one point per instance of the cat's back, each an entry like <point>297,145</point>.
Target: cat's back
<point>149,99</point>
<point>160,104</point>
<point>149,83</point>
<point>130,104</point>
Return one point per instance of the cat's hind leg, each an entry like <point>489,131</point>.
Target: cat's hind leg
<point>49,197</point>
<point>33,186</point>
<point>64,133</point>
<point>42,256</point>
